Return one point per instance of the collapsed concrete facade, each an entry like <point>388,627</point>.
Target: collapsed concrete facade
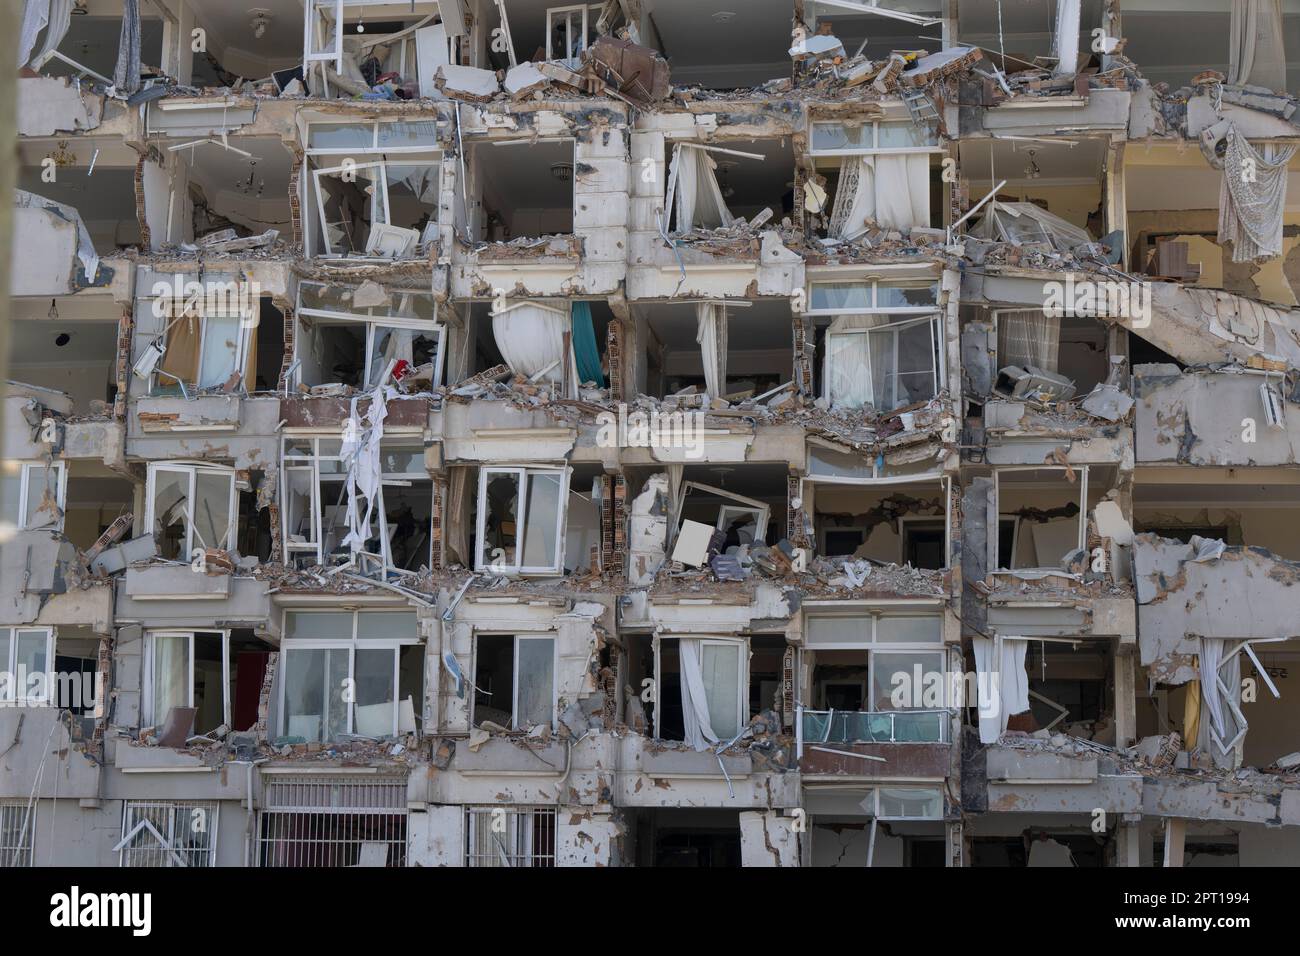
<point>908,432</point>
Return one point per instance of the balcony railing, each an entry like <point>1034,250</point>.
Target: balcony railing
<point>871,727</point>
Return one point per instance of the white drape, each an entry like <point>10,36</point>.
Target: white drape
<point>697,198</point>
<point>1066,41</point>
<point>171,674</point>
<point>55,15</point>
<point>1255,51</point>
<point>890,190</point>
<point>1003,684</point>
<point>1029,337</point>
<point>360,453</point>
<point>711,334</point>
<point>530,336</point>
<point>1252,196</point>
<point>695,704</point>
<point>852,369</point>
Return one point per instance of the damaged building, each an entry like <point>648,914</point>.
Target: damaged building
<point>823,433</point>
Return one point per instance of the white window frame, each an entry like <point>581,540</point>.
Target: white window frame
<point>10,694</point>
<point>935,321</point>
<point>524,474</point>
<point>25,484</point>
<point>373,322</point>
<point>193,469</point>
<point>872,647</point>
<point>742,646</point>
<point>875,308</point>
<point>176,810</point>
<point>248,321</point>
<point>314,17</point>
<point>567,12</point>
<point>148,716</point>
<point>997,508</point>
<point>395,644</point>
<point>875,149</point>
<point>376,147</point>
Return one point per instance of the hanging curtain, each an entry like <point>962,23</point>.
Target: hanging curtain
<point>697,198</point>
<point>852,372</point>
<point>1029,337</point>
<point>1255,51</point>
<point>1192,709</point>
<point>695,704</point>
<point>585,350</point>
<point>1250,206</point>
<point>171,674</point>
<point>1003,684</point>
<point>52,15</point>
<point>888,190</point>
<point>1066,39</point>
<point>530,336</point>
<point>455,534</point>
<point>711,334</point>
<point>126,75</point>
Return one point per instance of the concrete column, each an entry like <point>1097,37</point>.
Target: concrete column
<point>1128,841</point>
<point>769,839</point>
<point>955,837</point>
<point>1175,831</point>
<point>1125,698</point>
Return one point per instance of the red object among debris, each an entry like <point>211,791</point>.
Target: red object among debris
<point>401,369</point>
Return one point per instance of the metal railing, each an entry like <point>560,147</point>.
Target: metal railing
<point>872,727</point>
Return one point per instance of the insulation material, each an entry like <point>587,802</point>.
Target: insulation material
<point>1003,683</point>
<point>694,193</point>
<point>1255,51</point>
<point>889,191</point>
<point>1252,195</point>
<point>711,334</point>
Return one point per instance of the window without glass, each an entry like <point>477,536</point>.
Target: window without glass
<point>205,349</point>
<point>514,679</point>
<point>191,506</point>
<point>356,673</point>
<point>521,515</point>
<point>215,672</point>
<point>33,494</point>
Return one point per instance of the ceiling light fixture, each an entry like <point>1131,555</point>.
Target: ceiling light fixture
<point>261,19</point>
<point>562,171</point>
<point>79,8</point>
<point>724,16</point>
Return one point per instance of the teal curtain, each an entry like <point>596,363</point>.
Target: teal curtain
<point>584,345</point>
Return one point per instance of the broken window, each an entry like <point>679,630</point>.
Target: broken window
<point>734,520</point>
<point>874,28</point>
<point>27,656</point>
<point>350,674</point>
<point>872,175</point>
<point>883,345</point>
<point>514,680</point>
<point>510,836</point>
<point>878,678</point>
<point>1073,351</point>
<point>364,336</point>
<point>520,524</point>
<point>190,506</point>
<point>903,523</point>
<point>168,833</point>
<point>17,827</point>
<point>33,495</point>
<point>313,820</point>
<point>729,349</point>
<point>209,346</point>
<point>703,689</point>
<point>216,673</point>
<point>718,186</point>
<point>1046,508</point>
<point>523,188</point>
<point>351,49</point>
<point>314,503</point>
<point>376,187</point>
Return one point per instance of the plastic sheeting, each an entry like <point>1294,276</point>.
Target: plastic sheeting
<point>1023,222</point>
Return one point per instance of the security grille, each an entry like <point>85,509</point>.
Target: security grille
<point>17,824</point>
<point>333,821</point>
<point>510,836</point>
<point>170,833</point>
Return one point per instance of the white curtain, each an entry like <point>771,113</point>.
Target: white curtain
<point>697,197</point>
<point>890,190</point>
<point>711,334</point>
<point>38,14</point>
<point>360,453</point>
<point>695,704</point>
<point>1003,684</point>
<point>1029,337</point>
<point>853,371</point>
<point>1252,196</point>
<point>171,674</point>
<point>1066,40</point>
<point>530,336</point>
<point>1255,52</point>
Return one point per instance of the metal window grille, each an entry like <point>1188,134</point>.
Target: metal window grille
<point>510,836</point>
<point>314,821</point>
<point>17,824</point>
<point>169,833</point>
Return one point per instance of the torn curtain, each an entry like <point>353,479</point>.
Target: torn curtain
<point>1255,52</point>
<point>530,336</point>
<point>54,16</point>
<point>889,190</point>
<point>695,703</point>
<point>1252,197</point>
<point>711,334</point>
<point>694,191</point>
<point>1002,681</point>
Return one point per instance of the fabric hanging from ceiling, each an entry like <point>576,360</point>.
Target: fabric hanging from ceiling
<point>1029,337</point>
<point>695,705</point>
<point>1011,693</point>
<point>853,369</point>
<point>585,351</point>
<point>891,191</point>
<point>711,334</point>
<point>1256,55</point>
<point>455,534</point>
<point>530,337</point>
<point>54,16</point>
<point>360,453</point>
<point>695,194</point>
<point>1065,42</point>
<point>126,75</point>
<point>1252,196</point>
<point>181,356</point>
